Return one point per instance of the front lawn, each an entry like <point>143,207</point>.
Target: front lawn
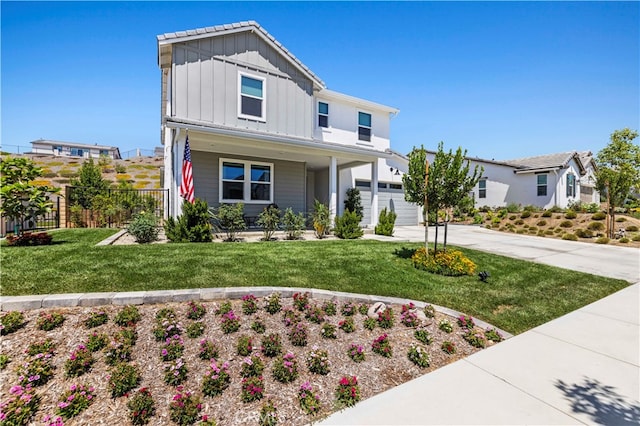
<point>519,295</point>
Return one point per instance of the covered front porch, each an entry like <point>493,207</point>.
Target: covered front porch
<point>230,166</point>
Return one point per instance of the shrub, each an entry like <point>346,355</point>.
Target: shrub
<point>386,223</point>
<point>30,239</point>
<point>271,345</point>
<point>252,389</point>
<point>175,373</point>
<point>318,362</point>
<point>272,304</point>
<point>123,378</point>
<point>566,224</point>
<point>596,226</point>
<point>252,366</point>
<point>429,311</point>
<point>449,263</point>
<point>547,213</point>
<point>602,240</point>
<point>4,360</point>
<point>570,237</point>
<point>328,331</point>
<point>79,362</point>
<point>20,407</point>
<point>381,346</point>
<point>348,391</point>
<point>584,233</point>
<point>258,326</point>
<point>513,217</point>
<point>75,400</point>
<point>356,353</point>
<point>541,222</point>
<point>285,368</point>
<point>513,207</point>
<point>448,347</point>
<point>96,319</point>
<point>47,321</point>
<point>249,304</point>
<point>11,321</point>
<point>493,335</point>
<point>475,339</point>
<point>445,326</point>
<point>635,237</point>
<point>370,323</point>
<point>363,308</point>
<point>144,228</point>
<point>293,224</point>
<point>621,219</point>
<point>129,315</point>
<point>525,214</point>
<point>624,240</point>
<point>298,335</point>
<point>353,202</point>
<point>192,226</point>
<point>309,401</point>
<point>268,414</point>
<point>418,355</point>
<point>329,307</point>
<point>631,228</point>
<point>477,219</point>
<point>269,220</point>
<point>208,350</point>
<point>519,222</point>
<point>348,226</point>
<point>195,329</point>
<point>599,216</point>
<point>216,380</point>
<point>96,341</point>
<point>321,219</point>
<point>423,336</point>
<point>141,407</point>
<point>548,232</point>
<point>230,218</point>
<point>184,408</point>
<point>570,214</point>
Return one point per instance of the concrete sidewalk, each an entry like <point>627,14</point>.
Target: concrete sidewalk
<point>581,368</point>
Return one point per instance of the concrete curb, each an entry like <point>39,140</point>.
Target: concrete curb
<point>21,303</point>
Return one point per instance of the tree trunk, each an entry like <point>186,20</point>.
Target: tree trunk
<point>435,242</point>
<point>446,229</point>
<point>426,233</point>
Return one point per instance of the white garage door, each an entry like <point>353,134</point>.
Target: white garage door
<point>391,196</point>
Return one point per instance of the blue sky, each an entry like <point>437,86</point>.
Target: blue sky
<point>501,79</point>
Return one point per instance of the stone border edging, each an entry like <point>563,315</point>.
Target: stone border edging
<point>13,303</point>
<point>112,239</point>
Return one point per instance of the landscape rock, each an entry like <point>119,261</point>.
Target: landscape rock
<point>375,308</point>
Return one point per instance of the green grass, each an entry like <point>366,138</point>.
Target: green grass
<point>519,295</point>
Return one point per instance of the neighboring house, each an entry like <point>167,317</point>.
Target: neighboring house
<point>544,181</point>
<point>264,129</point>
<point>71,149</point>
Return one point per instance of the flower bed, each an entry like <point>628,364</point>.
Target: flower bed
<point>163,366</point>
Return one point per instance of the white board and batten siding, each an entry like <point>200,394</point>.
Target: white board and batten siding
<point>206,75</point>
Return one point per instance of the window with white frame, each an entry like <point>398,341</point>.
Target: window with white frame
<point>364,126</point>
<point>77,151</point>
<point>323,114</point>
<point>571,185</point>
<point>542,185</point>
<point>482,188</point>
<point>246,181</point>
<point>251,93</point>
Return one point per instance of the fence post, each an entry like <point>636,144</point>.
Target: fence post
<point>58,213</point>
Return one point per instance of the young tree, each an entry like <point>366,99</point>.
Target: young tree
<point>618,171</point>
<point>415,185</point>
<point>89,183</point>
<point>21,199</point>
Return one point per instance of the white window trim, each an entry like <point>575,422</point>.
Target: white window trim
<point>247,181</point>
<point>369,142</point>
<point>319,114</point>
<point>263,117</point>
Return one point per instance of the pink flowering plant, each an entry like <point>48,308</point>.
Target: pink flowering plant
<point>408,316</point>
<point>356,353</point>
<point>79,362</point>
<point>195,311</point>
<point>258,326</point>
<point>96,319</point>
<point>290,316</point>
<point>466,322</point>
<point>42,347</point>
<point>285,368</point>
<point>347,325</point>
<point>386,318</point>
<point>348,309</point>
<point>493,335</point>
<point>35,371</point>
<point>448,347</point>
<point>309,401</point>
<point>224,308</point>
<point>11,321</point>
<point>271,345</point>
<point>249,304</point>
<point>314,314</point>
<point>245,345</point>
<point>195,329</point>
<point>251,366</point>
<point>50,421</point>
<point>141,407</point>
<point>207,349</point>
<point>298,335</point>
<point>128,316</point>
<point>318,361</point>
<point>252,389</point>
<point>475,338</point>
<point>381,346</point>
<point>301,300</point>
<point>370,323</point>
<point>167,324</point>
<point>229,323</point>
<point>268,414</point>
<point>47,321</point>
<point>328,331</point>
<point>206,421</point>
<point>123,378</point>
<point>216,380</point>
<point>363,308</point>
<point>20,407</point>
<point>172,348</point>
<point>75,400</point>
<point>117,351</point>
<point>348,391</point>
<point>184,408</point>
<point>96,341</point>
<point>418,355</point>
<point>329,307</point>
<point>272,304</point>
<point>175,372</point>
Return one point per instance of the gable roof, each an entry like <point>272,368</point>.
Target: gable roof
<point>548,161</point>
<point>166,40</point>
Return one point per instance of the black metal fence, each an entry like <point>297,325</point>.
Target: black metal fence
<point>49,220</point>
<point>91,208</point>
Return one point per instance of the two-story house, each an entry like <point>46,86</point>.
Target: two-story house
<point>264,129</point>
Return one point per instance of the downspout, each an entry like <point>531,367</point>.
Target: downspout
<point>555,193</point>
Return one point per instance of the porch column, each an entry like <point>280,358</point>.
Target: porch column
<point>333,188</point>
<point>374,194</point>
<point>168,171</point>
<point>178,154</point>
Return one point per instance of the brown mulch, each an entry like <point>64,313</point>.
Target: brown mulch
<point>376,374</point>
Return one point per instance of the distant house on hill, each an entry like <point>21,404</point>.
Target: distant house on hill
<point>72,149</point>
<point>544,180</point>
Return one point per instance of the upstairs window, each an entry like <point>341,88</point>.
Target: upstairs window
<point>571,185</point>
<point>364,126</point>
<point>252,103</point>
<point>482,188</point>
<point>542,185</point>
<point>323,114</point>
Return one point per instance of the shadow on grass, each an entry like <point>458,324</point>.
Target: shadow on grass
<point>404,253</point>
<point>601,402</point>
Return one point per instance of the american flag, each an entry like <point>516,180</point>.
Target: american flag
<point>186,187</point>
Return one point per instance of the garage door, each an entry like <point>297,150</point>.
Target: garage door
<point>391,196</point>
